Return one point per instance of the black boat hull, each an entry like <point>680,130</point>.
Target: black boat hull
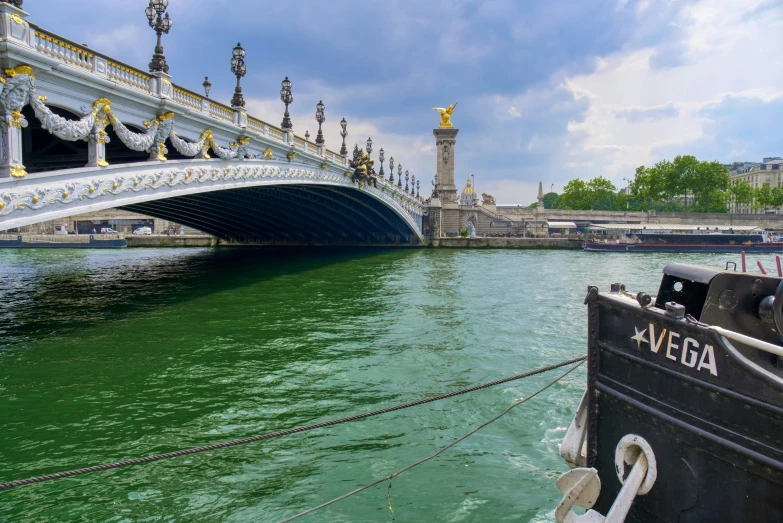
<point>711,413</point>
<point>774,247</point>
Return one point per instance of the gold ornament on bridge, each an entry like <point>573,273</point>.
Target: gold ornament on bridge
<point>268,153</point>
<point>18,172</point>
<point>16,119</point>
<point>19,69</point>
<point>445,115</point>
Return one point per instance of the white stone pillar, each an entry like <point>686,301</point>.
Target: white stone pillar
<point>11,148</point>
<point>240,117</point>
<point>14,27</point>
<point>160,85</point>
<point>96,148</point>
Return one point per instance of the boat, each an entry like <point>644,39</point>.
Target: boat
<point>681,239</point>
<point>682,417</point>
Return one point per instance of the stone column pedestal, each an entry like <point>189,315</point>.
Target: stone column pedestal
<point>11,149</point>
<point>434,218</point>
<point>445,140</point>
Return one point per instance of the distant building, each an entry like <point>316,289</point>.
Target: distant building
<point>469,196</point>
<point>768,171</point>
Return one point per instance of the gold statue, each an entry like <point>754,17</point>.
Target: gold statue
<point>445,115</point>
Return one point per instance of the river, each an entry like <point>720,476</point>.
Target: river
<point>109,355</point>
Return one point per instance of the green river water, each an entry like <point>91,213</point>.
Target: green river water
<point>109,355</point>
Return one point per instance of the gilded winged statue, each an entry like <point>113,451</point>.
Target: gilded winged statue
<point>445,114</point>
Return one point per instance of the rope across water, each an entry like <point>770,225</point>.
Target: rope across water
<point>277,434</point>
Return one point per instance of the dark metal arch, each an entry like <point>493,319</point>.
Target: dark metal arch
<point>273,225</point>
<point>359,218</point>
<point>308,213</point>
<point>256,204</point>
<point>290,197</point>
<point>401,228</point>
<point>174,211</point>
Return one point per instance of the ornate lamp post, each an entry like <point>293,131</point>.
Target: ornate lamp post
<point>160,24</point>
<point>413,184</point>
<point>406,180</point>
<point>307,135</point>
<point>320,118</point>
<point>369,146</point>
<point>287,98</point>
<point>399,175</point>
<point>391,169</point>
<point>380,159</point>
<point>417,189</point>
<point>239,69</point>
<point>207,85</point>
<point>344,133</point>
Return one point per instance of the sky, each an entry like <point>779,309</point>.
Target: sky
<point>548,90</point>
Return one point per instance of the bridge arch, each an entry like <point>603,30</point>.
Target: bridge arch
<point>42,151</point>
<point>244,201</point>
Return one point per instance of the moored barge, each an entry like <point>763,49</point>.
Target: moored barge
<point>683,239</point>
<point>688,388</point>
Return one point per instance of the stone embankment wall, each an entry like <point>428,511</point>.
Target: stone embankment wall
<point>172,241</point>
<point>507,243</point>
<point>773,221</point>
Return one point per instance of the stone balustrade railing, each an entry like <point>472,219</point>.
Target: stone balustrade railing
<point>66,52</point>
<point>230,123</point>
<point>188,98</point>
<point>129,76</point>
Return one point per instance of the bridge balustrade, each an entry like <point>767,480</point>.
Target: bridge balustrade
<point>56,77</point>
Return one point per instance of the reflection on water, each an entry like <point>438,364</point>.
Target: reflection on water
<point>108,355</point>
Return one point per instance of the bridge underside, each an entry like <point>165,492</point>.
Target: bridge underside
<point>297,214</point>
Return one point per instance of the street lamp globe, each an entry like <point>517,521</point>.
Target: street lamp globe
<point>166,24</point>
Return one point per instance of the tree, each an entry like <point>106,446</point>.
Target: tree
<point>777,197</point>
<point>551,200</point>
<point>742,192</point>
<point>684,177</point>
<point>762,196</point>
<point>575,195</point>
<point>650,184</point>
<point>601,193</point>
<point>709,178</point>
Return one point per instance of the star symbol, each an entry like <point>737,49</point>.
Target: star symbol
<point>639,337</point>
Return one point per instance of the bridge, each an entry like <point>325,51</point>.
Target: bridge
<point>85,132</point>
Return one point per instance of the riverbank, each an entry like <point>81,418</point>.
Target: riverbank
<point>507,243</point>
<point>194,240</point>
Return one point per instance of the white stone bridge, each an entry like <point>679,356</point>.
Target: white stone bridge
<point>84,132</point>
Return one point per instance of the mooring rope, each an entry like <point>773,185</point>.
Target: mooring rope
<point>277,434</point>
<point>390,477</point>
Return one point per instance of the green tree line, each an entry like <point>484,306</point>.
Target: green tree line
<point>684,184</point>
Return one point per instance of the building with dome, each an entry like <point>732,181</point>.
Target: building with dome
<point>469,196</point>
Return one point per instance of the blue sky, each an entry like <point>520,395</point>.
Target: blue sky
<point>547,91</point>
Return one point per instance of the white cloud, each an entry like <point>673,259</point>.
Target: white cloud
<point>723,53</point>
<point>122,40</point>
<point>416,152</point>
